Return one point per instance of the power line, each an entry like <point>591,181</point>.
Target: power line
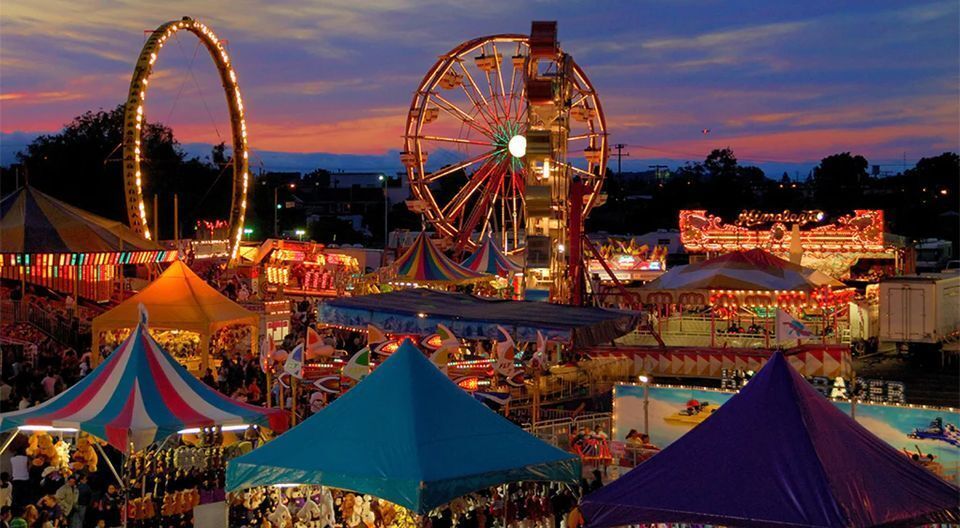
<point>620,154</point>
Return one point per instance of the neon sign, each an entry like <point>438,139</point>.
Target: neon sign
<point>861,232</point>
<point>753,218</point>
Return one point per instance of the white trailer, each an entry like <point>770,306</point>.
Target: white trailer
<point>920,309</point>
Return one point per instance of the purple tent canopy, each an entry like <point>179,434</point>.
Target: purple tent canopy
<point>777,454</point>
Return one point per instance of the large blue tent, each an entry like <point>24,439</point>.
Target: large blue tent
<point>776,454</point>
<point>406,434</point>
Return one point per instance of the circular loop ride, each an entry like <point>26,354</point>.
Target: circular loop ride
<point>134,120</point>
<point>474,103</point>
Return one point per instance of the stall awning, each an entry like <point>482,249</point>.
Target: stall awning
<point>743,270</point>
<point>418,311</point>
<point>424,264</point>
<point>178,299</point>
<point>138,396</point>
<point>777,454</point>
<point>488,258</point>
<point>406,434</point>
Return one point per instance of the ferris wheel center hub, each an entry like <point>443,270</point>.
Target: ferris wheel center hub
<point>518,146</point>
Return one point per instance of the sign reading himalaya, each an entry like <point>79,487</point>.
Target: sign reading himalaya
<point>860,232</point>
<point>754,218</point>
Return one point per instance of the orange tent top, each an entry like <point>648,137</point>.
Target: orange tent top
<point>178,299</point>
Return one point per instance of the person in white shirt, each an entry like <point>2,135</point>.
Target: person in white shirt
<point>20,469</point>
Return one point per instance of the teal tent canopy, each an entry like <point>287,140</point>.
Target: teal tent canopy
<point>406,434</point>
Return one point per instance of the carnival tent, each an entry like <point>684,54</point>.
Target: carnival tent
<point>776,454</point>
<point>34,222</point>
<point>743,270</point>
<point>406,434</point>
<point>418,311</point>
<point>488,258</point>
<point>425,265</point>
<point>56,245</point>
<point>138,396</point>
<point>179,299</point>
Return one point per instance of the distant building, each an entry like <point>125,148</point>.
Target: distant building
<point>397,186</point>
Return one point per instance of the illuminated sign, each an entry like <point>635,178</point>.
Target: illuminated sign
<point>753,218</point>
<point>861,232</point>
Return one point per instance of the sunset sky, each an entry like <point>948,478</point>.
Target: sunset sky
<point>786,82</point>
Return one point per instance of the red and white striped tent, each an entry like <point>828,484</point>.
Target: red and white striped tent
<point>138,396</point>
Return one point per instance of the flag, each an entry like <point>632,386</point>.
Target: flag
<point>359,365</point>
<point>267,349</point>
<point>375,335</point>
<point>504,352</point>
<point>328,384</point>
<point>449,344</point>
<point>788,328</point>
<point>539,359</point>
<point>294,363</point>
<point>441,358</point>
<point>315,345</point>
<point>447,337</point>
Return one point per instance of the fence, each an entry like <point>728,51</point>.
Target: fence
<point>558,432</point>
<point>67,331</point>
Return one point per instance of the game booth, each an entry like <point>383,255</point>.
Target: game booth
<point>189,316</point>
<point>404,445</point>
<point>297,268</point>
<point>173,433</point>
<point>731,311</point>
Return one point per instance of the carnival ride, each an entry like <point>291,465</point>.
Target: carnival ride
<point>512,139</point>
<point>133,119</point>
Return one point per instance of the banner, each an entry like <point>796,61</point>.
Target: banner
<point>924,432</point>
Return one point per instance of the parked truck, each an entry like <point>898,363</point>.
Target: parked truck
<point>920,311</point>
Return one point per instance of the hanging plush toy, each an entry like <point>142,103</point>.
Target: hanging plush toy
<point>280,517</point>
<point>327,512</point>
<point>85,458</point>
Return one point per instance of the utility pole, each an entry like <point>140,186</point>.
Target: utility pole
<point>620,154</point>
<point>657,169</point>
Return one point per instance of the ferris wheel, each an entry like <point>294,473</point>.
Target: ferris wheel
<point>472,107</point>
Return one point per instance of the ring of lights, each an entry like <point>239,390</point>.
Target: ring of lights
<point>484,128</point>
<point>133,119</point>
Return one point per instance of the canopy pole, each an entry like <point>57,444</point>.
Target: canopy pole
<point>204,352</point>
<point>268,376</point>
<point>109,463</point>
<point>9,441</point>
<point>293,396</point>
